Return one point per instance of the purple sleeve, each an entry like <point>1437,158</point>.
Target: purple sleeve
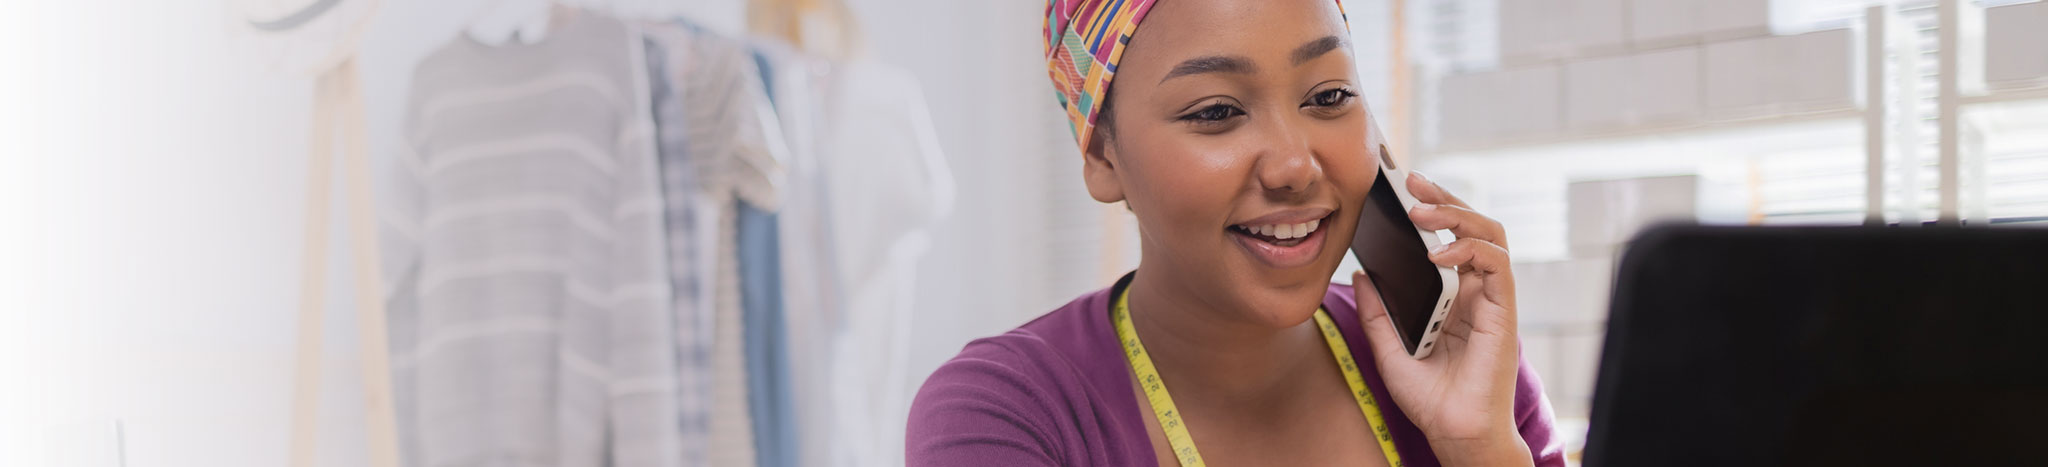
<point>977,410</point>
<point>1535,419</point>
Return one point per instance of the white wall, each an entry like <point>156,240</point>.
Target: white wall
<point>152,259</point>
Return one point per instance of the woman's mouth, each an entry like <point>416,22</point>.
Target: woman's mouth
<point>1285,245</point>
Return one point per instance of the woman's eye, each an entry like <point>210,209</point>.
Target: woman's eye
<point>1331,98</point>
<point>1213,113</point>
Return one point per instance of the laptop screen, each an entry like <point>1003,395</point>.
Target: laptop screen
<point>1837,346</point>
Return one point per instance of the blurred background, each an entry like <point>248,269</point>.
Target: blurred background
<point>226,219</point>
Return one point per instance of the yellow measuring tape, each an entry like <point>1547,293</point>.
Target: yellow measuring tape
<point>1169,416</point>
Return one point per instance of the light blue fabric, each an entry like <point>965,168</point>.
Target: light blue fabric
<point>770,398</point>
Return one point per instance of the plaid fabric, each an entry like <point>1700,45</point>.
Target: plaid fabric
<point>1084,40</point>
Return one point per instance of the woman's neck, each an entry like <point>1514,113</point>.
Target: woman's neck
<point>1209,354</point>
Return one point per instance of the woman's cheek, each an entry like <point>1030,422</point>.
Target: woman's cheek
<point>1347,160</point>
<point>1355,177</point>
<point>1205,188</point>
<point>1169,181</point>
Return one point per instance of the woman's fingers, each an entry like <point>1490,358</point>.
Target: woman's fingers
<point>1482,261</point>
<point>1462,221</point>
<point>1460,320</point>
<point>1379,330</point>
<point>1443,210</point>
<point>1429,192</point>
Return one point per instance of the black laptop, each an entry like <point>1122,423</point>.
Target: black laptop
<point>1749,346</point>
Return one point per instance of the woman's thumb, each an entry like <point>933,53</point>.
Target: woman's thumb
<point>1379,329</point>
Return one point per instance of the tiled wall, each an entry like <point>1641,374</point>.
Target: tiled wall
<point>2016,45</point>
<point>1589,67</point>
<point>1563,302</point>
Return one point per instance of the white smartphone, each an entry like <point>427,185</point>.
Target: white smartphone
<point>1395,253</point>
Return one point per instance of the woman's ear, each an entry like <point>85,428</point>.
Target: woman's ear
<point>1098,169</point>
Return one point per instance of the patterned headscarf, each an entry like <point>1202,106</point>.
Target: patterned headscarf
<point>1084,40</point>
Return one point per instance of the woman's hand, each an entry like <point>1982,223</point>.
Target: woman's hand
<point>1462,396</point>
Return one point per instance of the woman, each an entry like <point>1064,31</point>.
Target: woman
<point>1239,143</point>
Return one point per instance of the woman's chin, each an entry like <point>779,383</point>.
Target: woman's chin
<point>1281,309</point>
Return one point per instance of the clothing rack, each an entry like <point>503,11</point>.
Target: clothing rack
<point>323,35</point>
<point>338,107</point>
<point>890,159</point>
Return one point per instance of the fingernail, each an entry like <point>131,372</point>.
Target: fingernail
<point>1439,248</point>
<point>1418,175</point>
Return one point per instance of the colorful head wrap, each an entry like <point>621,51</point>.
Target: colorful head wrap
<point>1084,40</point>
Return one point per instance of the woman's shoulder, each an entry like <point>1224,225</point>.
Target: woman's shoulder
<point>1050,340</point>
<point>1056,349</point>
<point>1027,396</point>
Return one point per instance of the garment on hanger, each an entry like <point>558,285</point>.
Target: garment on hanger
<point>761,284</point>
<point>690,229</point>
<point>729,143</point>
<point>861,147</point>
<point>809,278</point>
<point>533,325</point>
<point>888,185</point>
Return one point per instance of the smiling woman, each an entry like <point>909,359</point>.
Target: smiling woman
<point>1240,144</point>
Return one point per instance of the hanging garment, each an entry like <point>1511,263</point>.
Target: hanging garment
<point>861,148</point>
<point>689,230</point>
<point>533,325</point>
<point>768,386</point>
<point>809,277</point>
<point>889,183</point>
<point>729,144</point>
<point>761,304</point>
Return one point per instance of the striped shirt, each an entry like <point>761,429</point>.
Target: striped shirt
<point>532,321</point>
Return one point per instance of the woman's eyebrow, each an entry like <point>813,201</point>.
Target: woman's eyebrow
<point>1316,48</point>
<point>1236,64</point>
<point>1210,64</point>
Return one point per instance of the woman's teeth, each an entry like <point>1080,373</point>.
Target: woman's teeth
<point>1283,231</point>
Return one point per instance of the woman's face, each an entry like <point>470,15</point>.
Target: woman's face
<point>1237,137</point>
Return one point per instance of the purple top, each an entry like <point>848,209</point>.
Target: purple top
<point>1057,392</point>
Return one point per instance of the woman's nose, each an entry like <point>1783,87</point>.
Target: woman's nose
<point>1288,163</point>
